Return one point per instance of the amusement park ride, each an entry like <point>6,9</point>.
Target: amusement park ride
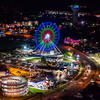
<point>46,38</point>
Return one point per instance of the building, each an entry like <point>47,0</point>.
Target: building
<point>73,42</point>
<point>75,9</point>
<point>14,86</point>
<point>42,84</point>
<point>2,34</point>
<point>3,70</point>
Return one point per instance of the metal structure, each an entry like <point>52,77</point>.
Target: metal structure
<point>47,37</point>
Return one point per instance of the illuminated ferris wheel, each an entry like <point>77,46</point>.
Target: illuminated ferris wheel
<point>47,36</point>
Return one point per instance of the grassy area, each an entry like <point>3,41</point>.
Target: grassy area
<point>57,89</point>
<point>80,75</point>
<point>94,60</point>
<point>68,53</point>
<point>67,60</point>
<point>51,91</point>
<point>61,84</point>
<point>33,59</point>
<point>2,53</point>
<point>27,96</point>
<point>82,72</point>
<point>73,58</point>
<point>83,65</point>
<point>37,90</point>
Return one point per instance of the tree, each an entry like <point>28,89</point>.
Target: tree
<point>64,55</point>
<point>43,60</point>
<point>68,54</point>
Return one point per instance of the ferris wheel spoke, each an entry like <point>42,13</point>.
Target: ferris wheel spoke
<point>42,46</point>
<point>47,36</point>
<point>55,32</point>
<point>50,44</point>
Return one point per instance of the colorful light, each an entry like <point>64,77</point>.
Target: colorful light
<point>47,36</point>
<point>76,6</point>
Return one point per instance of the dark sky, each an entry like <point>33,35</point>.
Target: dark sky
<point>50,4</point>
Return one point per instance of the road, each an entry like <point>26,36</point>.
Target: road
<point>74,88</point>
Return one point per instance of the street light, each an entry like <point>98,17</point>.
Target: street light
<point>68,49</point>
<point>24,47</point>
<point>99,75</point>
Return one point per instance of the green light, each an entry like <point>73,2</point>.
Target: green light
<point>93,24</point>
<point>54,35</point>
<point>62,23</point>
<point>75,6</point>
<point>33,27</point>
<point>71,24</point>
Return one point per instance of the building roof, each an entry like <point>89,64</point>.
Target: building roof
<point>3,67</point>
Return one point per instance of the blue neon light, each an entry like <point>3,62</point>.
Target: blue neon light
<point>6,73</point>
<point>76,7</point>
<point>37,38</point>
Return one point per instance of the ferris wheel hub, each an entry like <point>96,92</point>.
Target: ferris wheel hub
<point>47,36</point>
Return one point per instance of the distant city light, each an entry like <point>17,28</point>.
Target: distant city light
<point>82,22</point>
<point>15,21</point>
<point>69,49</point>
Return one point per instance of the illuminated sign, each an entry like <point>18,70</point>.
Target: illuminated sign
<point>78,56</point>
<point>75,6</point>
<point>67,40</point>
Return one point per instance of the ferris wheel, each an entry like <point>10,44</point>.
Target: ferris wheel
<point>47,36</point>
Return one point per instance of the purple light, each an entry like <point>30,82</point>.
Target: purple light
<point>82,22</point>
<point>77,41</point>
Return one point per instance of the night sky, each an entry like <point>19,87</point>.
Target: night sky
<point>50,4</point>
